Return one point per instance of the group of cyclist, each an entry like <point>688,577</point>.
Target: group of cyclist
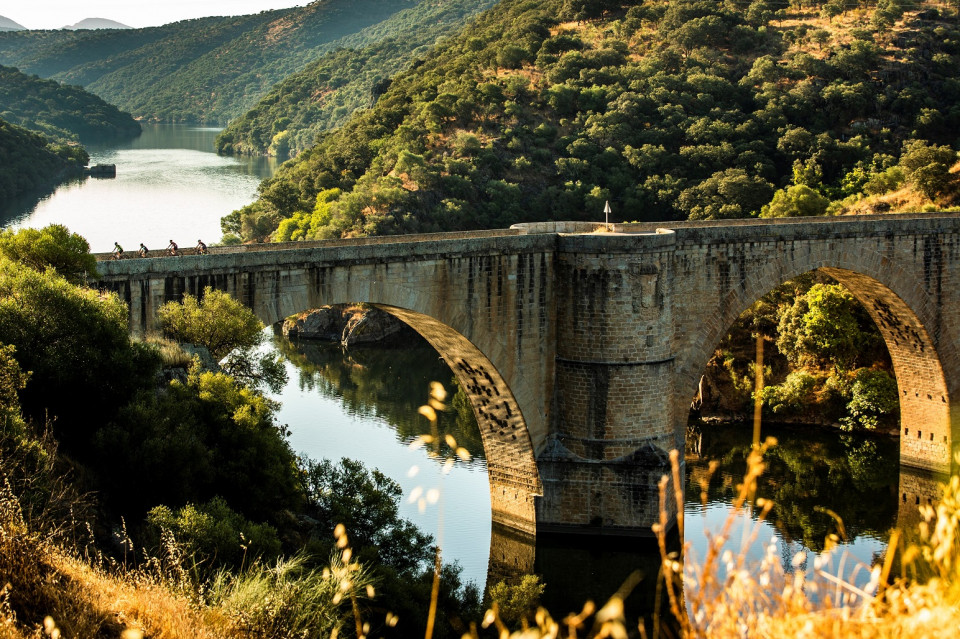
<point>172,249</point>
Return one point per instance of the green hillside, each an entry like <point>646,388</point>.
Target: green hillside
<point>326,92</point>
<point>669,110</point>
<point>28,161</point>
<point>58,110</point>
<point>208,70</point>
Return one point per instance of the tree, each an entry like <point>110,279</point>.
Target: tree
<point>795,201</point>
<point>874,399</point>
<point>366,503</point>
<point>517,603</point>
<point>76,345</point>
<point>53,247</point>
<point>927,165</point>
<point>731,193</point>
<point>216,321</point>
<point>12,381</point>
<point>826,325</point>
<point>224,327</point>
<point>205,437</point>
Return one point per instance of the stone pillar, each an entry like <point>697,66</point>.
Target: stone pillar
<point>614,414</point>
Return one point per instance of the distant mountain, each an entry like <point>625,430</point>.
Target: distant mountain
<point>208,70</point>
<point>97,23</point>
<point>6,24</point>
<point>60,111</point>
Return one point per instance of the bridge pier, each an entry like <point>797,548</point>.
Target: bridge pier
<point>614,413</point>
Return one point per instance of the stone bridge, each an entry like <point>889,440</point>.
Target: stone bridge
<point>581,350</point>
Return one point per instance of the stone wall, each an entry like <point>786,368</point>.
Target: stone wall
<point>581,350</point>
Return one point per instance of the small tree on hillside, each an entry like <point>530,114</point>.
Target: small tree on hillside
<point>224,327</point>
<point>927,166</point>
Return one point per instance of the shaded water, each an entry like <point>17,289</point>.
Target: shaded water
<point>363,404</point>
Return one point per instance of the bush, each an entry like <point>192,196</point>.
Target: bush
<point>795,201</point>
<point>213,534</point>
<point>210,436</point>
<point>224,326</point>
<point>51,247</point>
<point>792,396</point>
<point>519,602</point>
<point>76,344</point>
<point>874,399</point>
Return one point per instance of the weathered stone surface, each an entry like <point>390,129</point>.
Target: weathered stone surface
<point>349,325</point>
<point>371,325</point>
<point>577,349</point>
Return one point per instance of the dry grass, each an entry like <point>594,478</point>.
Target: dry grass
<point>45,590</point>
<point>172,354</point>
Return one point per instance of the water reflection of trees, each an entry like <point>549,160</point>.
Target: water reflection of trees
<point>386,382</point>
<point>809,473</point>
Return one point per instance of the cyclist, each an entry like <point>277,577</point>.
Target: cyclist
<point>117,251</point>
<point>143,250</point>
<point>172,247</point>
<point>201,248</point>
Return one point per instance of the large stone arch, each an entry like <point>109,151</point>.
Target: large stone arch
<point>902,311</point>
<point>511,466</point>
<point>512,470</point>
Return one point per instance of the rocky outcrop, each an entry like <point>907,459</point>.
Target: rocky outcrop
<point>348,325</point>
<point>325,323</point>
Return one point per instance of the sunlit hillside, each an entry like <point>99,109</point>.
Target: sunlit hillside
<point>668,110</point>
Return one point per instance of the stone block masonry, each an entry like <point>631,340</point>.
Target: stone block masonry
<point>581,350</point>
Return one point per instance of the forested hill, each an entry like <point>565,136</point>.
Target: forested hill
<point>60,111</point>
<point>673,109</point>
<point>326,92</point>
<point>28,161</point>
<point>208,70</point>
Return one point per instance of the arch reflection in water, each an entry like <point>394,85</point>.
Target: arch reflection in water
<point>362,404</point>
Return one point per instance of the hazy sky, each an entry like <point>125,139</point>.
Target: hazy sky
<point>53,14</point>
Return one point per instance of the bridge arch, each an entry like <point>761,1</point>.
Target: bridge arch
<point>509,444</point>
<point>927,371</point>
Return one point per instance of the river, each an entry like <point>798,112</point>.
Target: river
<point>362,404</point>
<point>169,185</point>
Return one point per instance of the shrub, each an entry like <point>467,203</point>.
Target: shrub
<point>795,393</point>
<point>874,399</point>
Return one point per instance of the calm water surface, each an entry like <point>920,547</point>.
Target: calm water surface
<point>362,404</point>
<point>169,185</point>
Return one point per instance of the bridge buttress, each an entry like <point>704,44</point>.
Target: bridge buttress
<point>613,422</point>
